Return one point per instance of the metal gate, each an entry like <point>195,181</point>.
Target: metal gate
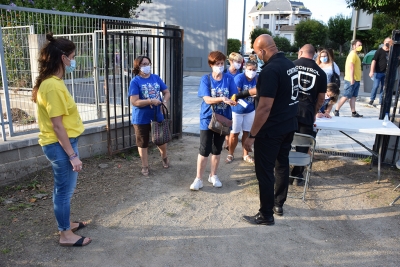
<point>164,46</point>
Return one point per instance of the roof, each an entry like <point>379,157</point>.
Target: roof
<point>279,6</point>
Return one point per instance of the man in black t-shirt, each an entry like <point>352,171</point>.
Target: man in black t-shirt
<point>378,69</point>
<point>273,128</point>
<point>312,89</point>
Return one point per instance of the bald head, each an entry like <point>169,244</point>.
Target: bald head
<point>307,51</point>
<point>265,47</point>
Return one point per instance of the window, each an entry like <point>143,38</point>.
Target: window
<point>266,26</point>
<point>266,16</point>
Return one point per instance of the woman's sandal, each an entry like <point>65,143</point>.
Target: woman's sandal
<point>229,159</point>
<point>165,163</point>
<point>248,159</point>
<point>145,171</point>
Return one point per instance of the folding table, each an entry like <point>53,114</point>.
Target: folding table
<point>360,125</point>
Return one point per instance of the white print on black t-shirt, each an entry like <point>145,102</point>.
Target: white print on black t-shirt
<point>295,84</point>
<point>306,81</point>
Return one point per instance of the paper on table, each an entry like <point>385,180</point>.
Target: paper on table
<point>242,103</point>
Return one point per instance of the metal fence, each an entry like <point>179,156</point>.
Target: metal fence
<point>23,33</point>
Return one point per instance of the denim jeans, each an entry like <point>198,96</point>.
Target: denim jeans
<point>64,181</point>
<point>379,79</point>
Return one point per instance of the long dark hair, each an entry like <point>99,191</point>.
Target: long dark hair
<point>50,59</point>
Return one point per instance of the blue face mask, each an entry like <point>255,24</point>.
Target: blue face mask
<point>260,60</point>
<point>71,67</point>
<point>324,59</point>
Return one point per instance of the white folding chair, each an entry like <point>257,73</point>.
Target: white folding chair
<point>302,159</point>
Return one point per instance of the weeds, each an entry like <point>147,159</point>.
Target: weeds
<point>20,206</point>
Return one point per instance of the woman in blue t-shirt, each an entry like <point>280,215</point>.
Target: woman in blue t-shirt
<point>243,113</point>
<point>147,92</point>
<point>215,89</point>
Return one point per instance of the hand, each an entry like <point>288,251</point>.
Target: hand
<point>352,81</point>
<point>320,115</point>
<point>155,102</point>
<point>327,115</point>
<point>248,143</point>
<point>371,74</point>
<point>76,164</point>
<point>228,101</point>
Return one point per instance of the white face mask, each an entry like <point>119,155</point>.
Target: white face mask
<point>217,69</point>
<point>237,65</point>
<point>145,70</point>
<point>251,74</point>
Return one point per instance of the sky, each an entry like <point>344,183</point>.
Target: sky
<point>320,9</point>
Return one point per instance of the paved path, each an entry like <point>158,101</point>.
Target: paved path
<point>326,140</point>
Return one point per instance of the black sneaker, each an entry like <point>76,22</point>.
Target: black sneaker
<point>259,219</point>
<point>356,115</point>
<point>371,103</point>
<point>336,113</point>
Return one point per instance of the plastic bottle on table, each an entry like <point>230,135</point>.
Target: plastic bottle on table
<point>385,120</point>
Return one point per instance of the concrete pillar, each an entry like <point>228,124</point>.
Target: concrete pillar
<point>36,42</point>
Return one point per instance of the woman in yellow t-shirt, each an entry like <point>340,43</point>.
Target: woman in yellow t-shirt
<point>60,126</point>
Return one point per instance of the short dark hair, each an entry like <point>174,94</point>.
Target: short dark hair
<point>215,56</point>
<point>137,62</point>
<point>354,42</point>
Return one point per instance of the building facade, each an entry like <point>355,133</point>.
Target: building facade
<point>205,25</point>
<point>277,16</point>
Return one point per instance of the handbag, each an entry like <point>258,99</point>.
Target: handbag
<point>161,131</point>
<point>335,78</point>
<point>219,123</point>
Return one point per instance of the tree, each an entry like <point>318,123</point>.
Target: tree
<point>310,32</point>
<point>233,45</point>
<point>257,32</point>
<point>339,30</point>
<point>388,7</point>
<point>282,43</point>
<point>116,8</point>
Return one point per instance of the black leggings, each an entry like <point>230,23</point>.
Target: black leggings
<point>210,142</point>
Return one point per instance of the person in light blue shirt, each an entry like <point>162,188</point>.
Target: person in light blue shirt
<point>243,113</point>
<point>147,92</point>
<point>215,89</point>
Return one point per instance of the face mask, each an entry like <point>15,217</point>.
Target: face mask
<point>217,69</point>
<point>237,65</point>
<point>324,59</point>
<point>145,70</point>
<point>70,68</point>
<point>358,49</point>
<point>251,74</point>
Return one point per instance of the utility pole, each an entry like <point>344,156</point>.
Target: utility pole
<point>243,28</point>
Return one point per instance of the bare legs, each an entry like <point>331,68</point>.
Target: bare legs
<point>202,163</point>
<point>144,155</point>
<point>352,103</point>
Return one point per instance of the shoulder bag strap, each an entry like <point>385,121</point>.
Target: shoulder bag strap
<point>209,87</point>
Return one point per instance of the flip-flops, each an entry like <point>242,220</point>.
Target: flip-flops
<point>248,159</point>
<point>229,158</point>
<point>78,243</point>
<point>145,171</point>
<point>165,163</point>
<point>80,226</point>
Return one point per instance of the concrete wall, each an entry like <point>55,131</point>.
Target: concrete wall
<point>23,155</point>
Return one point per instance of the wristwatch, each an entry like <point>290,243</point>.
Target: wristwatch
<point>251,136</point>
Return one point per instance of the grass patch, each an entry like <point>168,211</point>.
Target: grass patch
<point>372,196</point>
<point>170,214</point>
<point>366,160</point>
<point>5,250</point>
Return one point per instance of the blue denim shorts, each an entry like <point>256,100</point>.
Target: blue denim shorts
<point>351,90</point>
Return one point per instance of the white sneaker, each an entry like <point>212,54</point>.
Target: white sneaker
<point>196,185</point>
<point>214,180</point>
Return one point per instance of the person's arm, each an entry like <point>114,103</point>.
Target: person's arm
<point>244,94</point>
<point>166,95</point>
<point>351,68</point>
<point>216,100</point>
<point>371,70</point>
<point>261,116</point>
<point>63,139</point>
<point>320,101</point>
<point>328,111</point>
<point>135,101</point>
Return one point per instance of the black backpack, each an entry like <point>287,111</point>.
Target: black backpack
<point>335,78</point>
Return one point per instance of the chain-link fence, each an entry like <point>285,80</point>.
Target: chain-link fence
<point>23,33</point>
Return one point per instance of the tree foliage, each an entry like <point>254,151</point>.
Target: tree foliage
<point>310,32</point>
<point>282,43</point>
<point>257,32</point>
<point>388,7</point>
<point>339,30</point>
<point>233,45</point>
<point>115,8</point>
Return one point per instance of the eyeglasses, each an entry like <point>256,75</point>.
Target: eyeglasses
<point>145,64</point>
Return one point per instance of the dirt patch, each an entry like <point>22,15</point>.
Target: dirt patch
<point>157,221</point>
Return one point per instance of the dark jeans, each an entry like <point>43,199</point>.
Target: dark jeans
<point>304,129</point>
<point>379,79</point>
<point>210,142</point>
<point>270,154</point>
